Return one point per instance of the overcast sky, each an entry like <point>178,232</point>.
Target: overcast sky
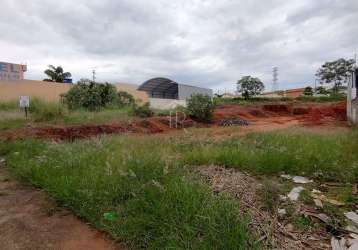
<point>209,43</point>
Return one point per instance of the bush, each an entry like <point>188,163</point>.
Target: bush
<point>45,111</point>
<point>124,99</point>
<point>91,96</point>
<point>201,107</point>
<point>142,111</point>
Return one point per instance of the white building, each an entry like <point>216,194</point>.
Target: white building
<point>352,98</point>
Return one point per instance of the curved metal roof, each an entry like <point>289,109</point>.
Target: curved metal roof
<point>160,86</point>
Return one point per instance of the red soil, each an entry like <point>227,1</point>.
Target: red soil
<point>259,115</point>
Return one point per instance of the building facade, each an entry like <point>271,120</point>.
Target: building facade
<point>11,71</point>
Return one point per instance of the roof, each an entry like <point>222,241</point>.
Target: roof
<point>159,84</point>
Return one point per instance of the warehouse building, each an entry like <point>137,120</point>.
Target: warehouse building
<point>352,98</point>
<point>166,94</point>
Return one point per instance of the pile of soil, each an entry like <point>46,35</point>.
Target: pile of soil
<point>307,114</point>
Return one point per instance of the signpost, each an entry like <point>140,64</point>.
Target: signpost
<point>24,102</point>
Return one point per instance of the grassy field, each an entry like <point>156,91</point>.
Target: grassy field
<point>142,188</point>
<point>42,113</point>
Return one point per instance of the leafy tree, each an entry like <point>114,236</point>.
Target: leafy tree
<point>308,91</point>
<point>56,74</point>
<point>336,72</point>
<point>322,90</point>
<point>201,107</point>
<point>250,86</point>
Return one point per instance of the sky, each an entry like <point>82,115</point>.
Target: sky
<point>208,43</point>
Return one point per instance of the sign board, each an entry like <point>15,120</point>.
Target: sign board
<point>24,101</point>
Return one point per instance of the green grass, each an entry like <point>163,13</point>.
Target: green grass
<point>126,187</point>
<point>44,113</point>
<point>328,157</point>
<point>9,105</point>
<point>142,189</point>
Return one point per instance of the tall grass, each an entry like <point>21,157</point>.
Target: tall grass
<point>46,111</point>
<point>126,187</point>
<point>9,105</point>
<point>326,157</point>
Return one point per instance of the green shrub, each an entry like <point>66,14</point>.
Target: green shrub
<point>91,96</point>
<point>142,111</point>
<point>45,111</point>
<point>201,107</point>
<point>124,99</point>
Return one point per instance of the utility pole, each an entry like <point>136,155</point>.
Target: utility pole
<point>274,79</point>
<point>94,75</point>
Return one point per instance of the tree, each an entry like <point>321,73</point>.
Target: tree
<point>56,74</point>
<point>308,91</point>
<point>249,86</point>
<point>335,71</point>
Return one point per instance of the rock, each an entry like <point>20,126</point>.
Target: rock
<point>295,193</point>
<point>353,217</point>
<point>318,203</point>
<point>301,180</point>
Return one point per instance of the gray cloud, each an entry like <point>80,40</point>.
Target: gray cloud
<point>205,42</point>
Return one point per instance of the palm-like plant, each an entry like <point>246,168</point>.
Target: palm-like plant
<point>56,74</point>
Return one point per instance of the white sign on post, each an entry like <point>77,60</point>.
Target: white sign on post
<point>24,101</point>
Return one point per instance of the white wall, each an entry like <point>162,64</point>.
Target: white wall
<point>158,103</point>
<point>185,91</point>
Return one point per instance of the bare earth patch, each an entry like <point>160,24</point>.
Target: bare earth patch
<point>271,231</point>
<point>30,220</point>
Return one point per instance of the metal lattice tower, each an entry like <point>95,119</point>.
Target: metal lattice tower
<point>275,79</point>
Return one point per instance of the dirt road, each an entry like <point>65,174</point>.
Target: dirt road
<point>30,220</point>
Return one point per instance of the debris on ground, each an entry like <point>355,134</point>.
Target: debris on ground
<point>301,180</point>
<point>295,193</point>
<point>318,203</point>
<point>353,217</point>
<point>296,179</point>
<point>325,199</point>
<point>281,211</point>
<point>272,233</point>
<point>338,244</point>
<point>233,122</point>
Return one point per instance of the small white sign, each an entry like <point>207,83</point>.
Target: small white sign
<point>24,102</point>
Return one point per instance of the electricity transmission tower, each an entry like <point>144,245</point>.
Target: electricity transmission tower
<point>94,75</point>
<point>275,79</point>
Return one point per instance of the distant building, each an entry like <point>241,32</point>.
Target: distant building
<point>293,93</point>
<point>352,98</point>
<point>11,71</point>
<point>165,94</point>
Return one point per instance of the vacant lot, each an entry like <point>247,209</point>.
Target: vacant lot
<point>208,187</point>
